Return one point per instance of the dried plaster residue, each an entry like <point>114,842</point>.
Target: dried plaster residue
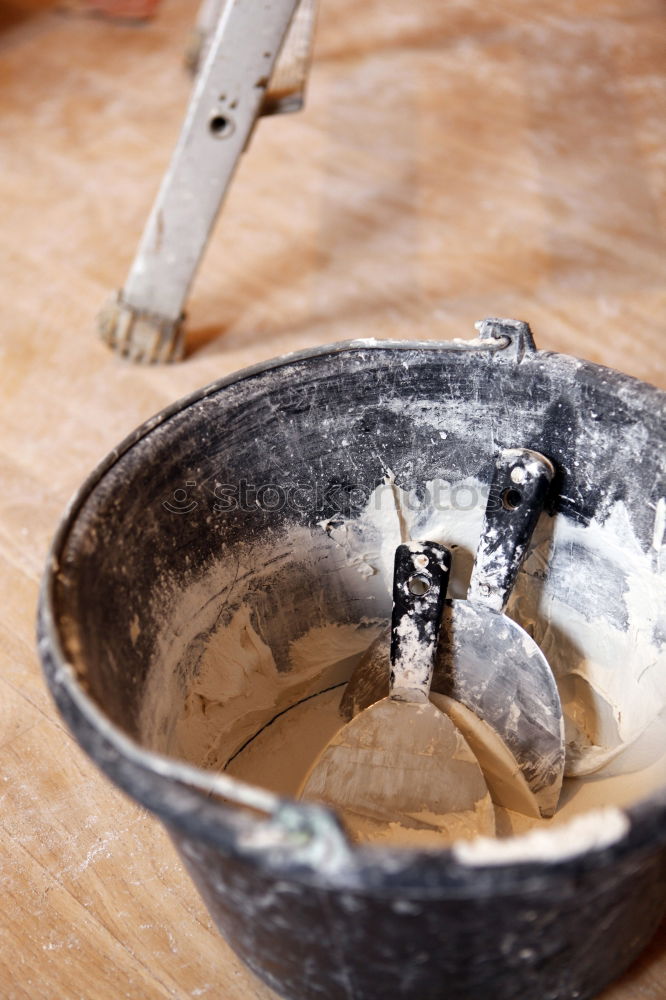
<point>215,682</point>
<point>590,596</point>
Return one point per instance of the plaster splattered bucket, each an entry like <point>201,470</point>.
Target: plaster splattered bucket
<point>231,561</point>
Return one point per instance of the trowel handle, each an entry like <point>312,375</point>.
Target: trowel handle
<point>517,495</point>
<point>420,580</point>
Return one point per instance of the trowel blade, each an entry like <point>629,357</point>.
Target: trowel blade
<point>488,663</point>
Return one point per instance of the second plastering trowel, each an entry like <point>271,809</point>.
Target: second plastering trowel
<point>401,768</point>
<point>488,663</point>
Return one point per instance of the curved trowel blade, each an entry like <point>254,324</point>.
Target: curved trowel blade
<point>489,664</point>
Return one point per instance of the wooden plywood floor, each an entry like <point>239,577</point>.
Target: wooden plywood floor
<point>455,160</point>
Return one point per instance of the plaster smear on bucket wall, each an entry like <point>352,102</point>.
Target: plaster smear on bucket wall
<point>214,681</point>
<point>589,595</point>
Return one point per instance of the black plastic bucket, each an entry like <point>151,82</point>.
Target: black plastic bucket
<point>229,503</point>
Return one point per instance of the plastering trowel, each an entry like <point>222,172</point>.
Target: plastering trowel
<point>402,764</point>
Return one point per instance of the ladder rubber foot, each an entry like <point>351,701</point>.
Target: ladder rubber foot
<point>143,337</point>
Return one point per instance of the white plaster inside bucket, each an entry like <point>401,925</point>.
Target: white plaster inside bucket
<point>591,597</point>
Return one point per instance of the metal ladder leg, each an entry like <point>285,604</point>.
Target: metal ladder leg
<point>144,322</point>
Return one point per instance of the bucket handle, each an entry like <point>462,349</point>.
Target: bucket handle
<point>305,833</point>
<point>516,334</point>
